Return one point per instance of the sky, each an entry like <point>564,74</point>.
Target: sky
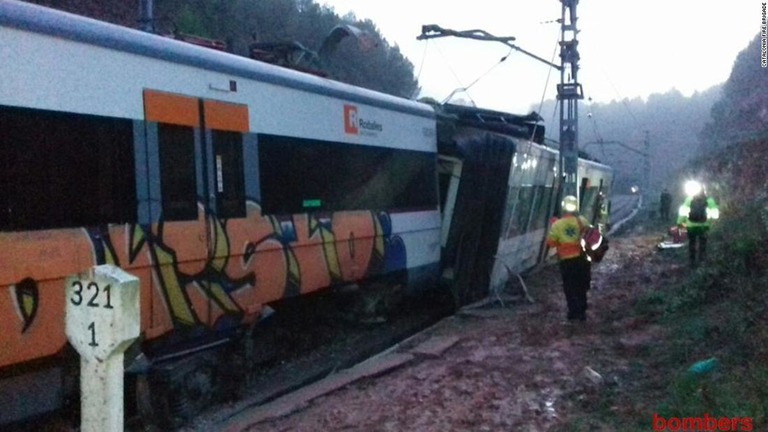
<point>628,49</point>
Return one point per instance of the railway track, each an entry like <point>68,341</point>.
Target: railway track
<point>312,339</point>
<point>622,207</point>
<point>306,340</point>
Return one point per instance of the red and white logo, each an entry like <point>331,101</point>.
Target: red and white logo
<point>350,120</point>
<point>356,125</point>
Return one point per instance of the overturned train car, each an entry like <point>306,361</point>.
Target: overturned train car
<point>499,190</point>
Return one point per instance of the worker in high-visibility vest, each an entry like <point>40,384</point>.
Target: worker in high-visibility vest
<point>696,214</point>
<point>575,269</point>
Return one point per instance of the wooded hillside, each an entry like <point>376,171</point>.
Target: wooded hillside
<point>363,58</point>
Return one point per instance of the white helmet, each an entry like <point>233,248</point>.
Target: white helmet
<point>570,203</point>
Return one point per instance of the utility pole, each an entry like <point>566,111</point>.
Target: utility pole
<point>647,176</point>
<point>569,92</point>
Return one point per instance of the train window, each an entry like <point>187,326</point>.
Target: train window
<point>301,175</point>
<point>510,219</point>
<point>228,163</point>
<point>177,171</point>
<point>60,170</point>
<point>540,214</point>
<point>582,191</point>
<point>589,202</point>
<point>524,206</point>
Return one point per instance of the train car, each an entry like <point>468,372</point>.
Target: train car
<point>500,187</point>
<point>221,182</point>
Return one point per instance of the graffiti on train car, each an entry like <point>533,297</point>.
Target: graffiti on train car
<point>244,263</point>
<point>26,296</point>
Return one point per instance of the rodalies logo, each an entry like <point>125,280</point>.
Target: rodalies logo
<point>705,423</point>
<point>356,125</point>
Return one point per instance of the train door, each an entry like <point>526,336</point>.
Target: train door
<point>601,208</point>
<point>224,126</point>
<point>171,210</point>
<point>583,193</point>
<point>194,167</point>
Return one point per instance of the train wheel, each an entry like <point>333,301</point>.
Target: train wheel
<point>174,394</point>
<point>371,302</point>
<point>192,394</point>
<point>144,406</point>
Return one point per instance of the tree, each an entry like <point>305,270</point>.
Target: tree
<point>116,12</point>
<point>671,119</point>
<point>360,61</point>
<point>742,112</point>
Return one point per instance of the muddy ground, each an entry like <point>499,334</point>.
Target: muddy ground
<point>521,367</point>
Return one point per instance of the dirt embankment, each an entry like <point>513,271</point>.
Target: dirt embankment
<point>521,367</point>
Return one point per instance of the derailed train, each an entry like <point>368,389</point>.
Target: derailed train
<point>226,184</point>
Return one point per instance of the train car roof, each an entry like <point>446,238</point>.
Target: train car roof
<point>595,163</point>
<point>39,19</point>
<point>479,120</point>
<point>519,126</point>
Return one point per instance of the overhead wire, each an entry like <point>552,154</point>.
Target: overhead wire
<point>621,98</point>
<point>546,86</point>
<point>421,68</point>
<point>448,64</point>
<point>483,75</point>
<point>596,132</point>
<point>591,115</point>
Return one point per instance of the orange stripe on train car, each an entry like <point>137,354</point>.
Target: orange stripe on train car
<point>226,116</point>
<point>171,108</point>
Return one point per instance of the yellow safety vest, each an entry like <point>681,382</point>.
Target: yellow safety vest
<point>565,235</point>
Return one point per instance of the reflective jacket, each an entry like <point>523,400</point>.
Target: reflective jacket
<point>682,214</point>
<point>565,235</point>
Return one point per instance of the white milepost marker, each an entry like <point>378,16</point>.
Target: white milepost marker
<point>102,319</point>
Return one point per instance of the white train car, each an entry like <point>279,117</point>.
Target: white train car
<point>531,195</point>
<point>221,182</point>
<point>533,199</point>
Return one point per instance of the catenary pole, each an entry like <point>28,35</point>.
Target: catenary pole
<point>569,92</point>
